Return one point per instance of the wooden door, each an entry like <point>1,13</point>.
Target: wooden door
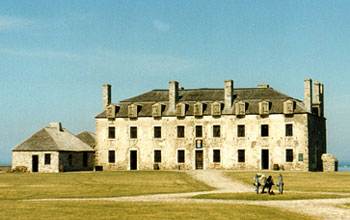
<point>199,160</point>
<point>265,159</point>
<point>133,160</point>
<point>35,163</point>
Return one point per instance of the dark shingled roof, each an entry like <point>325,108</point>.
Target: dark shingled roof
<point>88,138</point>
<point>208,95</point>
<point>251,96</point>
<point>53,139</point>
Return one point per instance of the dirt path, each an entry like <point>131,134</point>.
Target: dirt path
<point>216,179</point>
<point>321,208</point>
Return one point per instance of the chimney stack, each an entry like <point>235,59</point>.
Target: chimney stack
<point>308,94</point>
<point>228,94</point>
<point>56,125</point>
<point>173,94</point>
<point>106,96</point>
<point>318,100</point>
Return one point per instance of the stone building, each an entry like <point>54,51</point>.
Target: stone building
<point>229,128</point>
<point>53,149</point>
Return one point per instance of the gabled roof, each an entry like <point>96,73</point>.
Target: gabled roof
<point>53,139</point>
<point>88,138</point>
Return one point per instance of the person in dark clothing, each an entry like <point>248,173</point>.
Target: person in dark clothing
<point>268,184</point>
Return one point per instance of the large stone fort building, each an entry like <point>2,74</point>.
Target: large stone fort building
<point>229,128</point>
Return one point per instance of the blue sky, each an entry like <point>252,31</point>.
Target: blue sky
<point>55,56</point>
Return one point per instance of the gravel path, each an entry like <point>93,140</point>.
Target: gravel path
<point>321,208</point>
<point>218,180</point>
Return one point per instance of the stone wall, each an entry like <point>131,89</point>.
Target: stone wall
<point>73,161</point>
<point>330,163</point>
<point>24,158</point>
<point>317,141</point>
<point>228,143</point>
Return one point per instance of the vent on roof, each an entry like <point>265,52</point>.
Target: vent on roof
<point>263,86</point>
<point>56,125</point>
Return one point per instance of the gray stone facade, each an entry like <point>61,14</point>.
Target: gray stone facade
<point>241,129</point>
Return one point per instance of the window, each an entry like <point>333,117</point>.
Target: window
<point>241,131</point>
<point>216,131</point>
<point>157,132</point>
<point>289,155</point>
<point>47,159</point>
<point>180,131</point>
<point>199,132</point>
<point>111,132</point>
<point>241,156</point>
<point>133,132</point>
<point>300,157</point>
<point>289,129</point>
<point>85,159</point>
<point>264,130</point>
<point>216,156</point>
<point>181,156</point>
<point>111,156</point>
<point>157,156</point>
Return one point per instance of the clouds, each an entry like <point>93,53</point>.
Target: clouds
<point>160,25</point>
<point>109,60</point>
<point>13,23</point>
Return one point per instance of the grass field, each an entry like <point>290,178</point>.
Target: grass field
<point>94,184</point>
<point>16,187</point>
<point>302,181</point>
<point>265,197</point>
<point>137,210</point>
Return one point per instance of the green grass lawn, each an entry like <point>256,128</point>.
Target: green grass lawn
<point>265,197</point>
<point>77,210</point>
<point>15,187</point>
<point>301,181</point>
<point>95,184</point>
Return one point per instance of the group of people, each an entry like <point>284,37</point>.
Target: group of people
<point>266,183</point>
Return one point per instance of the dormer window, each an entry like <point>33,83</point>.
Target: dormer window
<point>111,111</point>
<point>264,108</point>
<point>180,110</point>
<point>157,110</point>
<point>198,109</point>
<point>132,111</point>
<point>240,108</point>
<point>288,107</point>
<point>216,109</point>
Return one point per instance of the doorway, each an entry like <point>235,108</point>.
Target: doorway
<point>199,159</point>
<point>265,159</point>
<point>133,160</point>
<point>35,163</point>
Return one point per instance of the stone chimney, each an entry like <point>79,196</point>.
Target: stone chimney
<point>318,101</point>
<point>107,96</point>
<point>263,86</point>
<point>228,94</point>
<point>308,94</point>
<point>56,125</point>
<point>173,94</point>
